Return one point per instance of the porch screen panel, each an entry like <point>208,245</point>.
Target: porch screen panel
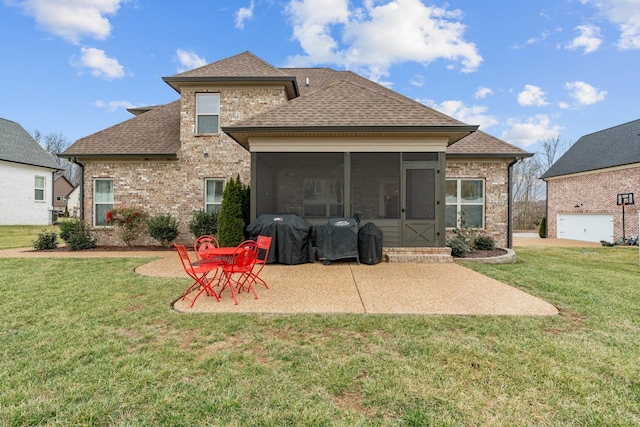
<point>421,188</point>
<point>375,185</point>
<point>308,184</point>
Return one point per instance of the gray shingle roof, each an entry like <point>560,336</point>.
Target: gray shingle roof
<point>347,103</point>
<point>17,146</point>
<point>338,99</point>
<point>244,64</point>
<point>154,133</point>
<point>480,143</point>
<point>616,146</point>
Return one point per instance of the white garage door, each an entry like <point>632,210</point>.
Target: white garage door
<point>589,228</point>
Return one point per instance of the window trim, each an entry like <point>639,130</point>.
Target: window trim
<point>96,203</point>
<point>198,113</point>
<point>459,204</point>
<point>43,189</point>
<point>206,186</point>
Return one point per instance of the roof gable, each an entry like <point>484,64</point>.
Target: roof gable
<point>616,146</point>
<point>244,64</point>
<point>154,133</point>
<point>17,146</point>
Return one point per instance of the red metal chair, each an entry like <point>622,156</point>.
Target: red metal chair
<point>202,245</point>
<point>237,273</point>
<point>262,254</point>
<point>199,273</point>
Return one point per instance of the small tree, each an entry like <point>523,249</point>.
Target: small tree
<point>233,216</point>
<point>163,228</point>
<point>542,231</point>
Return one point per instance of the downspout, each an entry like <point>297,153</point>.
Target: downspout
<point>53,197</point>
<point>510,203</point>
<point>81,184</point>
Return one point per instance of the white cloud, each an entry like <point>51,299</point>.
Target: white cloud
<point>626,15</point>
<point>589,39</point>
<point>72,19</point>
<point>584,93</point>
<point>189,60</point>
<point>243,14</point>
<point>376,36</point>
<point>482,92</point>
<point>418,81</point>
<point>99,64</point>
<point>473,115</point>
<point>531,95</point>
<point>532,130</point>
<point>113,105</point>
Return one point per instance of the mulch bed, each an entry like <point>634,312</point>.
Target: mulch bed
<point>485,254</point>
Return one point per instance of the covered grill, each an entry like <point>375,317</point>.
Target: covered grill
<point>338,239</point>
<point>291,237</point>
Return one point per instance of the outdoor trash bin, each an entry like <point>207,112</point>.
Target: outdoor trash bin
<point>291,237</point>
<point>370,244</point>
<point>338,239</point>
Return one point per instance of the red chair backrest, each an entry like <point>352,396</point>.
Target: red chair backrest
<point>264,244</point>
<point>245,255</point>
<point>184,257</point>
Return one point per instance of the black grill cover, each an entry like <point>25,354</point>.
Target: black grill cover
<point>337,239</point>
<point>291,237</point>
<point>370,244</point>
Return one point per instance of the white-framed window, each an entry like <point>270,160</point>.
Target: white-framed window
<point>214,189</point>
<point>207,113</point>
<point>465,196</point>
<point>39,189</point>
<point>323,198</point>
<point>102,201</point>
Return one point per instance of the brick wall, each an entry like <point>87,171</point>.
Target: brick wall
<point>495,175</point>
<point>595,193</point>
<point>177,186</point>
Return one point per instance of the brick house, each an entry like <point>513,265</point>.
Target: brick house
<point>312,141</point>
<point>584,184</point>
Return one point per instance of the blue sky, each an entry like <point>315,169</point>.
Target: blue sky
<point>525,71</point>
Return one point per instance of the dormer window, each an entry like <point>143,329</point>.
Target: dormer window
<point>207,113</point>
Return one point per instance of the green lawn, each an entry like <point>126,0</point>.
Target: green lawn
<point>22,236</point>
<point>90,342</point>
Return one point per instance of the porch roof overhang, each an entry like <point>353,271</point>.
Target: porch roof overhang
<point>243,134</point>
<point>290,83</point>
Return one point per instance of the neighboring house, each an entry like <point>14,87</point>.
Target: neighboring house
<point>61,189</point>
<point>73,202</point>
<point>316,142</point>
<point>26,178</point>
<point>584,184</point>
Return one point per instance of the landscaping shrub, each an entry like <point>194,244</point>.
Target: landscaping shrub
<point>163,228</point>
<point>484,243</point>
<point>46,240</point>
<point>232,217</point>
<point>542,231</point>
<point>76,235</point>
<point>459,247</point>
<point>204,223</point>
<point>130,223</point>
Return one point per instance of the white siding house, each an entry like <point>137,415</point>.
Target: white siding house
<point>26,178</point>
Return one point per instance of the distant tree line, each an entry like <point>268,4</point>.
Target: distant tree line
<point>54,144</point>
<point>529,191</point>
